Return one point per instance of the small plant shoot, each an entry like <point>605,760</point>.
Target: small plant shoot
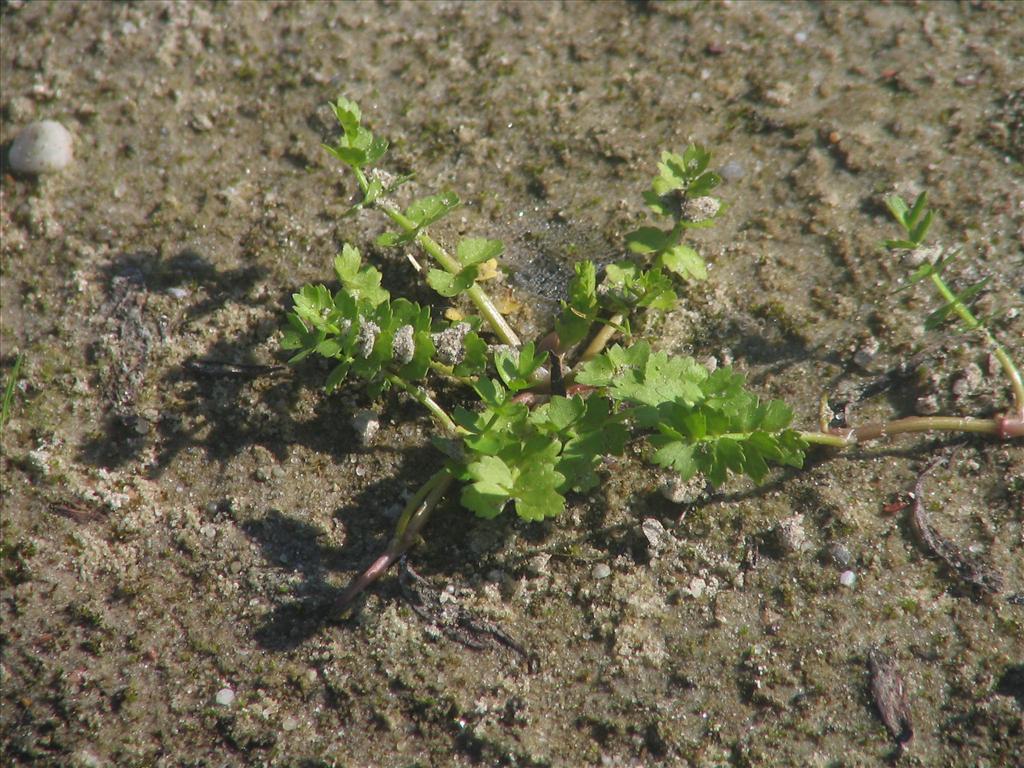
<point>536,421</point>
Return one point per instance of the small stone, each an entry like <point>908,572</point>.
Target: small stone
<point>42,147</point>
<point>225,697</point>
<point>781,95</point>
<point>601,571</point>
<point>83,758</point>
<point>655,534</point>
<point>679,492</point>
<point>969,381</point>
<point>733,170</point>
<point>289,724</point>
<point>538,565</point>
<point>790,534</point>
<point>847,578</point>
<point>698,587</point>
<point>840,555</point>
<point>867,352</point>
<point>367,425</point>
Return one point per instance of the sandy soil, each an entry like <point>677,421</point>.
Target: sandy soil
<point>168,534</point>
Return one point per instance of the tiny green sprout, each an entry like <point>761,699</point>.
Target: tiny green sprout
<point>534,423</point>
<point>8,400</point>
<point>915,221</point>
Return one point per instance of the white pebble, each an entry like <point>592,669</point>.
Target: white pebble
<point>289,724</point>
<point>225,697</point>
<point>41,147</point>
<point>733,170</point>
<point>698,587</point>
<point>847,578</point>
<point>601,571</point>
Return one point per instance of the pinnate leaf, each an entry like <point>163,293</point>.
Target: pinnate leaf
<point>427,210</point>
<point>475,250</point>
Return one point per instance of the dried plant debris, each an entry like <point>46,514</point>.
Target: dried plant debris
<point>890,695</point>
<point>128,338</point>
<point>441,611</point>
<point>224,369</point>
<point>966,566</point>
<point>77,511</point>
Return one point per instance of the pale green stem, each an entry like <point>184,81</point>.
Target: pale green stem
<point>436,411</point>
<point>601,338</point>
<point>414,516</point>
<point>417,511</point>
<point>449,372</point>
<point>973,324</point>
<point>476,294</point>
<point>1005,428</point>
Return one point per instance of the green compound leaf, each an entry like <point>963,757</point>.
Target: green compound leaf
<point>640,377</point>
<point>313,305</point>
<point>703,184</point>
<point>728,431</point>
<point>580,311</point>
<point>449,285</point>
<point>647,240</point>
<point>681,176</point>
<point>476,250</point>
<point>491,487</point>
<point>537,482</point>
<point>357,146</point>
<point>524,473</point>
<point>685,262</point>
<point>336,377</point>
<point>474,360</point>
<point>427,210</point>
<point>627,286</point>
<point>588,430</point>
<point>516,368</point>
<point>358,281</point>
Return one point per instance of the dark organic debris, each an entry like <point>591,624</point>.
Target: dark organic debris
<point>453,620</point>
<point>890,695</point>
<point>76,511</point>
<point>1011,683</point>
<point>223,369</point>
<point>128,338</point>
<point>967,567</point>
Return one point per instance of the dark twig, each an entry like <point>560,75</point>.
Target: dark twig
<point>967,567</point>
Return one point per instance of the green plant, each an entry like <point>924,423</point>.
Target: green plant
<point>12,381</point>
<point>541,417</point>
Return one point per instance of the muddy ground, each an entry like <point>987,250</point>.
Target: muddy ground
<point>170,531</point>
